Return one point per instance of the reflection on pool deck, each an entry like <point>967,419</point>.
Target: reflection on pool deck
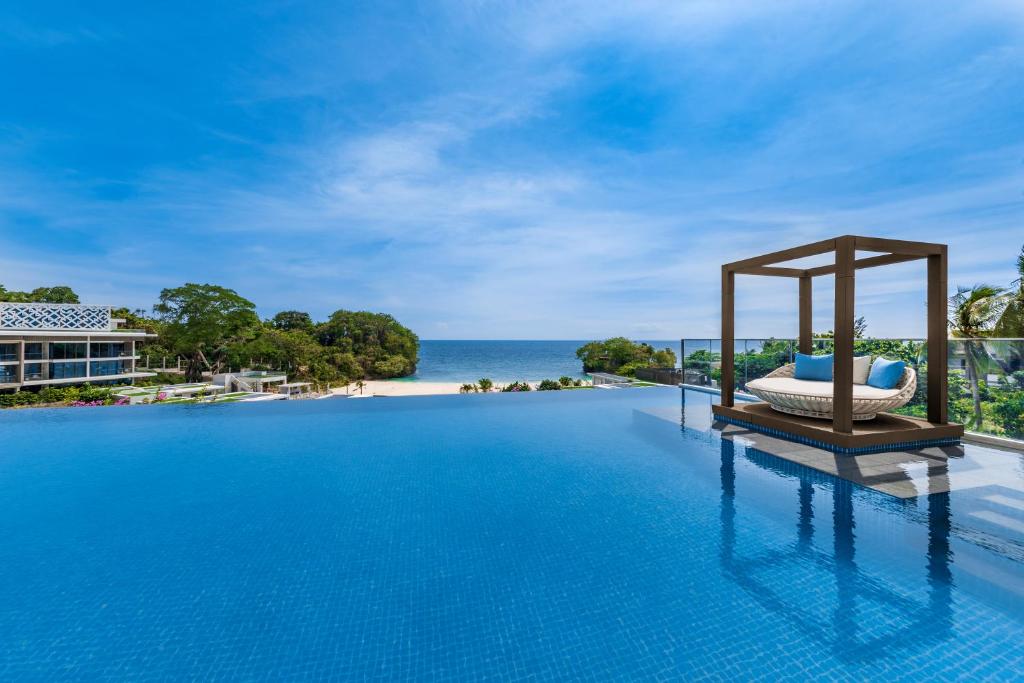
<point>612,535</point>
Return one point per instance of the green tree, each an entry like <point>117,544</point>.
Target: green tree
<point>664,358</point>
<point>58,294</point>
<point>972,313</point>
<point>293,320</point>
<point>485,384</point>
<point>381,345</point>
<point>201,323</point>
<point>860,326</point>
<point>391,366</point>
<point>136,319</point>
<point>292,350</point>
<point>1011,321</point>
<point>621,356</point>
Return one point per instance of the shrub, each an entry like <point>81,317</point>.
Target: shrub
<point>1009,415</point>
<point>548,385</point>
<point>629,369</point>
<point>565,381</point>
<point>84,395</point>
<point>19,398</point>
<point>51,395</point>
<point>516,386</point>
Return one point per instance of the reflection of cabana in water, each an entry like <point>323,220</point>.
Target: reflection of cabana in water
<point>842,433</point>
<point>921,624</point>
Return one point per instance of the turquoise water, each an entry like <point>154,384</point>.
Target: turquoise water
<point>548,536</point>
<point>505,361</point>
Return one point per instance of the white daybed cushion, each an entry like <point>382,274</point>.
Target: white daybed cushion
<point>861,369</point>
<point>805,387</point>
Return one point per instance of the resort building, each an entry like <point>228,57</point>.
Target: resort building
<point>46,344</point>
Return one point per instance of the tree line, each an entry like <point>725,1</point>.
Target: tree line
<point>215,329</point>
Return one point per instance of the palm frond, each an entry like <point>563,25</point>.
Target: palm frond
<point>974,310</point>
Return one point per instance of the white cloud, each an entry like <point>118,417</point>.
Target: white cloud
<point>482,202</point>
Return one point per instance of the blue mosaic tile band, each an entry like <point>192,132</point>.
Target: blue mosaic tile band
<point>807,441</point>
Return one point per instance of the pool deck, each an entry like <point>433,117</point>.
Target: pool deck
<point>885,431</point>
<point>900,473</point>
<point>903,474</point>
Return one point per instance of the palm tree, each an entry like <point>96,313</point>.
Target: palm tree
<point>972,313</point>
<point>359,385</point>
<point>1011,322</point>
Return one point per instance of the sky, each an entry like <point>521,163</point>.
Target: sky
<point>508,170</point>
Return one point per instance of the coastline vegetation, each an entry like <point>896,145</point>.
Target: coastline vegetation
<point>620,356</point>
<point>216,329</point>
<point>486,385</point>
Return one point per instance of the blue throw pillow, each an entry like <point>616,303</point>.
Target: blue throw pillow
<point>885,373</point>
<point>817,368</point>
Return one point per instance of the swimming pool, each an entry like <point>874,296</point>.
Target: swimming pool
<point>551,536</point>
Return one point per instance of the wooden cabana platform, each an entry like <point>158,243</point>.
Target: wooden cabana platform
<point>841,433</point>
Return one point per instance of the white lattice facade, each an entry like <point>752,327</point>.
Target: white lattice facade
<point>54,317</point>
<point>45,344</point>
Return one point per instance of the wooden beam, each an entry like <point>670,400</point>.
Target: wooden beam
<point>898,246</point>
<point>728,335</point>
<point>806,285</point>
<point>813,249</point>
<point>884,260</point>
<point>938,367</point>
<point>868,262</point>
<point>842,358</point>
<point>770,270</point>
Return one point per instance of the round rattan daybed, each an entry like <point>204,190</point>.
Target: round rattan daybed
<point>786,394</point>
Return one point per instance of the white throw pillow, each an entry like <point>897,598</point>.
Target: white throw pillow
<point>861,369</point>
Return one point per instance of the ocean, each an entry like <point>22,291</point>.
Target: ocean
<point>503,360</point>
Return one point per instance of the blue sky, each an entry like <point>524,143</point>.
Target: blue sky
<point>507,170</point>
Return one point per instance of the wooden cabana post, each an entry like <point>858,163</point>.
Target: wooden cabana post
<point>844,268</point>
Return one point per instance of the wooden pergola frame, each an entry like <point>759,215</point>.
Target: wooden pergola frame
<point>845,269</point>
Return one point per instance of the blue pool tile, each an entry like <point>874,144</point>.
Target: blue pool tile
<point>513,537</point>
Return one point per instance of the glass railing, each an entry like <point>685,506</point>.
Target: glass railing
<point>986,376</point>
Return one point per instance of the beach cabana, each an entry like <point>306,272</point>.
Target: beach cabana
<point>842,432</point>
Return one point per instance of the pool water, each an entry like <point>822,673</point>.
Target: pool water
<point>519,536</point>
